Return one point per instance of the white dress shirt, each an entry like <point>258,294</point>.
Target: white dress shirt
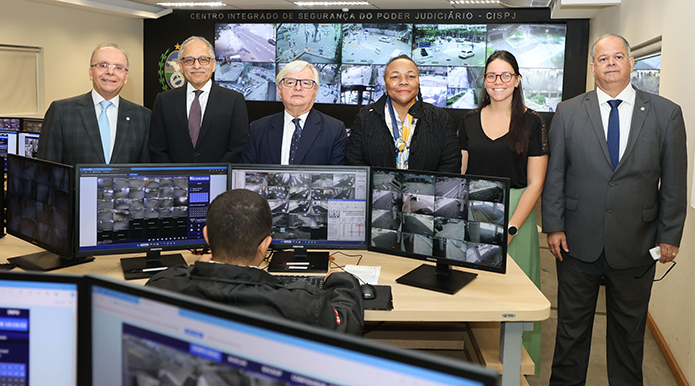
<point>287,133</point>
<point>203,99</point>
<point>111,113</point>
<point>627,96</point>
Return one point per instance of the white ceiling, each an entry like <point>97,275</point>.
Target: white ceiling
<point>148,9</point>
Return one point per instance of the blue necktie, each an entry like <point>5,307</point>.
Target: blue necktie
<point>105,130</point>
<point>295,139</point>
<point>613,138</point>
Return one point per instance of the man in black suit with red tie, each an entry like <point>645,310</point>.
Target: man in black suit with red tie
<point>200,122</point>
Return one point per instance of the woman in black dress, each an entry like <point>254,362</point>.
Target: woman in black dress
<point>505,139</point>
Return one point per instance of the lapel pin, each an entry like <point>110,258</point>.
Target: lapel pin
<point>128,118</point>
<point>642,108</point>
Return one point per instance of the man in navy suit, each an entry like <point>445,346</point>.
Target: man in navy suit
<point>201,121</point>
<point>99,126</point>
<point>299,135</point>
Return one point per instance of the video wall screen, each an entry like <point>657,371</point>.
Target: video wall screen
<point>351,59</point>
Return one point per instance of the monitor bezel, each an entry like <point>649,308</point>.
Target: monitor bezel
<point>68,254</point>
<point>290,328</point>
<point>83,349</point>
<point>441,260</point>
<point>117,251</point>
<point>279,246</point>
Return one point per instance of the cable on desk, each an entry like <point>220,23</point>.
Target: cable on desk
<point>345,254</point>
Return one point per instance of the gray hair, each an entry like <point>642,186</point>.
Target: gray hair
<point>190,40</point>
<point>297,66</point>
<point>113,45</point>
<point>593,46</point>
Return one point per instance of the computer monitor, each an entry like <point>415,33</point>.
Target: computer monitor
<point>12,124</point>
<point>8,145</point>
<point>32,125</point>
<point>145,208</point>
<point>28,144</point>
<point>314,207</point>
<point>448,219</point>
<point>145,336</point>
<point>40,210</point>
<point>39,327</point>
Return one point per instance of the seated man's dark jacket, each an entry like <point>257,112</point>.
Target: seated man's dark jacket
<point>338,306</point>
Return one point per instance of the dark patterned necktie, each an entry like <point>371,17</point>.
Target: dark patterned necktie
<point>613,137</point>
<point>194,118</point>
<point>295,139</point>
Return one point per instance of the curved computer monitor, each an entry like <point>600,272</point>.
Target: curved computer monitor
<point>447,219</point>
<point>146,208</point>
<point>314,207</point>
<point>40,210</point>
<point>206,343</point>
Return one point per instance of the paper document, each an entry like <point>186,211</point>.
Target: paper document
<point>364,273</point>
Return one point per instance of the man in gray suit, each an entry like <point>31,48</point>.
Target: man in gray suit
<point>99,126</point>
<point>615,188</point>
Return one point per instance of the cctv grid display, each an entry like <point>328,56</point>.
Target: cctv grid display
<point>19,136</point>
<point>459,218</point>
<point>39,207</point>
<point>125,208</point>
<point>351,59</point>
<point>319,207</point>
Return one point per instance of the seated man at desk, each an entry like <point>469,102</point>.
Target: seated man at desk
<point>238,232</point>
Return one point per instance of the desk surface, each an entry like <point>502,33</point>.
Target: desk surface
<point>511,297</point>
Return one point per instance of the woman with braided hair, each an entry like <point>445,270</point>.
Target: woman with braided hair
<point>402,131</point>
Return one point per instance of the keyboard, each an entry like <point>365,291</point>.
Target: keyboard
<point>313,280</point>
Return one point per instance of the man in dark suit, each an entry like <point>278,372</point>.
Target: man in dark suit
<point>99,126</point>
<point>615,188</point>
<point>299,135</point>
<point>200,122</point>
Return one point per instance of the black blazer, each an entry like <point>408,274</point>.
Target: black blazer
<point>70,133</point>
<point>223,132</point>
<point>434,146</point>
<point>322,142</point>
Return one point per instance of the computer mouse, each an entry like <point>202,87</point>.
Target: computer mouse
<point>368,291</point>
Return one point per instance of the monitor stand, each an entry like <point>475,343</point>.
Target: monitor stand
<point>299,260</point>
<point>440,278</point>
<point>46,261</point>
<point>146,267</point>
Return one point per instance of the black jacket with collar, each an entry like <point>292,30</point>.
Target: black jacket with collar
<point>338,306</point>
<point>434,146</point>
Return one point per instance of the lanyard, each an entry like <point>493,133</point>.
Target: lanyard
<point>400,142</point>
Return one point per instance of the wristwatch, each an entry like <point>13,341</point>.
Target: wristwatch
<point>512,230</point>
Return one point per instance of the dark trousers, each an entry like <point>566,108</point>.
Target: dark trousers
<point>627,303</point>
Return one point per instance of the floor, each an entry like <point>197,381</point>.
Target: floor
<point>655,369</point>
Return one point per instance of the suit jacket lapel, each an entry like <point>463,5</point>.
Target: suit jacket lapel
<point>310,131</point>
<point>594,113</point>
<point>639,113</point>
<point>274,134</point>
<point>123,127</point>
<point>210,111</point>
<point>182,114</point>
<point>91,125</point>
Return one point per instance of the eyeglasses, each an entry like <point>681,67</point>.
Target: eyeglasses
<point>203,60</point>
<point>103,66</point>
<point>662,276</point>
<point>505,76</point>
<point>291,82</point>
